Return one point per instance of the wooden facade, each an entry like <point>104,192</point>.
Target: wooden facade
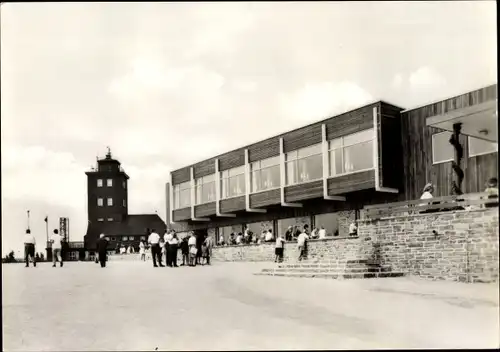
<point>402,168</point>
<point>417,149</point>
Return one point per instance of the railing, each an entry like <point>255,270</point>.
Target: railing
<point>463,202</point>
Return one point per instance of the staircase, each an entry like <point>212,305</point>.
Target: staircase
<point>347,269</point>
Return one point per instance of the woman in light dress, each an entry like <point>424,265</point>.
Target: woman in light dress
<point>142,251</point>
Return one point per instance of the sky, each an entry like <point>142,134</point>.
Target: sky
<point>165,85</point>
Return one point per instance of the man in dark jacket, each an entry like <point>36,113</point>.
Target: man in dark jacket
<point>185,250</point>
<point>102,249</point>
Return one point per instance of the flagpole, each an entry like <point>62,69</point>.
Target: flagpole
<point>28,219</point>
<point>47,228</point>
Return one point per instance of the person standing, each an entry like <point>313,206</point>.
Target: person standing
<point>29,247</point>
<point>301,243</point>
<point>185,251</point>
<point>154,241</point>
<point>193,250</point>
<point>56,241</point>
<point>322,233</point>
<point>168,257</point>
<point>173,247</point>
<point>142,251</point>
<point>278,251</point>
<point>102,249</point>
<point>209,242</point>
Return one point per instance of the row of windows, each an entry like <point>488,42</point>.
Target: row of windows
<point>100,202</point>
<point>349,154</point>
<point>109,183</point>
<point>125,238</point>
<point>443,151</point>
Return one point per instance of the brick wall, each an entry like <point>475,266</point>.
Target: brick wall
<point>465,249</point>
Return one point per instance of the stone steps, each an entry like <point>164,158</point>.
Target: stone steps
<point>334,275</point>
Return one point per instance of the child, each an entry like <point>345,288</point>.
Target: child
<point>204,253</point>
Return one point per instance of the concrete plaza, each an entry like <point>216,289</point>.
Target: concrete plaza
<point>132,306</point>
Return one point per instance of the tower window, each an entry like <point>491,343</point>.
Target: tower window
<point>100,202</point>
<point>110,219</point>
<point>124,203</point>
<point>109,182</point>
<point>110,202</point>
<point>124,184</point>
<point>100,219</point>
<point>99,182</point>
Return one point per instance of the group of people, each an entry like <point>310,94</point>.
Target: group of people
<point>56,241</point>
<point>302,245</point>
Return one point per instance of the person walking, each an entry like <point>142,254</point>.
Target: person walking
<point>301,244</point>
<point>209,242</point>
<point>142,251</point>
<point>102,249</point>
<point>56,241</point>
<point>278,251</point>
<point>29,247</point>
<point>154,241</point>
<point>173,247</point>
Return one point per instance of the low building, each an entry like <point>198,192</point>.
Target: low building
<point>324,173</point>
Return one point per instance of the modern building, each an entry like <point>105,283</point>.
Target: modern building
<point>107,208</point>
<point>324,173</point>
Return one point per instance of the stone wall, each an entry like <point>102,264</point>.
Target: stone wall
<point>466,247</point>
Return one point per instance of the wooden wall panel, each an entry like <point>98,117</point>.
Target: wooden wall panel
<point>204,168</point>
<point>351,183</point>
<point>207,209</point>
<point>181,175</point>
<point>417,148</point>
<point>304,191</point>
<point>350,122</point>
<point>265,198</point>
<point>479,169</point>
<point>301,138</point>
<point>182,214</point>
<point>232,204</point>
<point>265,149</point>
<point>232,159</point>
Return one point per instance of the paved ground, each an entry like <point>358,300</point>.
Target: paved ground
<point>133,306</point>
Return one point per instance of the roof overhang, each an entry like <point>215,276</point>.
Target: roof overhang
<point>478,121</point>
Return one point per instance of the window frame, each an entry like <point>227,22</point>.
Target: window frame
<point>470,155</point>
<point>296,159</point>
<point>108,201</point>
<point>100,202</point>
<point>200,187</point>
<point>108,183</point>
<point>432,149</point>
<point>229,176</point>
<point>259,169</point>
<point>343,146</point>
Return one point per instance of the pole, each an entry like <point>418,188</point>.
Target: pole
<point>28,219</point>
<point>47,230</point>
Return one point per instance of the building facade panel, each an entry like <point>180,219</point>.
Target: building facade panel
<point>202,210</point>
<point>263,150</point>
<point>204,168</point>
<point>304,191</point>
<point>181,175</point>
<point>232,204</point>
<point>350,122</point>
<point>265,198</point>
<point>419,168</point>
<point>232,159</point>
<point>182,214</point>
<point>351,183</point>
<point>301,138</point>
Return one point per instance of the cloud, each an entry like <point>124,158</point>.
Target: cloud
<point>397,81</point>
<point>426,77</point>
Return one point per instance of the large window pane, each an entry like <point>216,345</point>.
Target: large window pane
<point>358,157</point>
<point>255,180</point>
<point>310,168</point>
<point>358,137</point>
<point>270,162</point>
<point>479,146</point>
<point>442,150</point>
<point>291,172</point>
<point>336,162</point>
<point>236,185</point>
<point>237,171</point>
<point>270,177</point>
<point>185,198</point>
<point>335,143</point>
<point>314,149</point>
<point>208,192</point>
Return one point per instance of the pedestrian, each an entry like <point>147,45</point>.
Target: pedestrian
<point>289,233</point>
<point>29,248</point>
<point>210,245</point>
<point>154,241</point>
<point>142,251</point>
<point>353,230</point>
<point>193,251</point>
<point>102,249</point>
<point>167,237</point>
<point>173,247</point>
<point>185,251</point>
<point>278,251</point>
<point>322,233</point>
<point>269,236</point>
<point>163,250</point>
<point>56,241</point>
<point>301,243</point>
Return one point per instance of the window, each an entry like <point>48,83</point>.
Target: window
<point>110,219</point>
<point>131,238</point>
<point>100,219</point>
<point>124,203</point>
<point>143,238</point>
<point>113,238</point>
<point>125,238</point>
<point>109,182</point>
<point>442,150</point>
<point>205,189</point>
<point>233,182</point>
<point>100,202</point>
<point>72,255</point>
<point>99,182</point>
<point>110,202</point>
<point>351,153</point>
<point>124,184</point>
<point>107,238</point>
<point>479,147</point>
<point>182,195</point>
<point>265,174</point>
<point>304,165</point>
